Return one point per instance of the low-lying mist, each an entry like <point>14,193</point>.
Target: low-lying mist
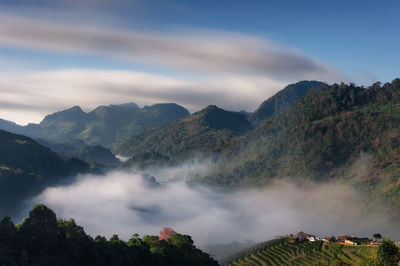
<point>126,203</point>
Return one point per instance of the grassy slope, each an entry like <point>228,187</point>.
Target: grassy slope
<point>281,252</point>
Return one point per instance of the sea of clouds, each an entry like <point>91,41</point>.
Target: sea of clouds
<point>125,203</point>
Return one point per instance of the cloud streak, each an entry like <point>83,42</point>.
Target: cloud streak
<point>27,97</point>
<point>234,71</point>
<point>196,50</point>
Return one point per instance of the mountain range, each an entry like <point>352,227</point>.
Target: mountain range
<point>309,131</point>
<point>102,126</point>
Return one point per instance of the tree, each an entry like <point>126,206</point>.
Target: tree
<point>388,253</point>
<point>41,239</point>
<point>181,240</point>
<point>377,236</point>
<point>166,233</point>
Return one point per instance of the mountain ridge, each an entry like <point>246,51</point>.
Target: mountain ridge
<point>103,125</point>
<point>187,136</point>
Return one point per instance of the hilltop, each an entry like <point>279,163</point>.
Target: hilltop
<point>282,100</point>
<point>201,132</point>
<point>206,132</point>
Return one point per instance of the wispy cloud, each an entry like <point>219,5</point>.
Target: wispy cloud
<point>234,71</point>
<point>29,96</point>
<point>196,50</point>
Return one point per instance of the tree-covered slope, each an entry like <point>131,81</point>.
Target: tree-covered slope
<point>96,154</point>
<point>20,152</point>
<point>283,100</point>
<point>41,239</point>
<point>64,125</point>
<point>201,132</point>
<point>340,132</point>
<point>104,125</point>
<point>283,252</point>
<point>92,154</point>
<point>26,167</point>
<point>326,129</point>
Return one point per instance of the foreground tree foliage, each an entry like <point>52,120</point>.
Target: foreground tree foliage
<point>388,253</point>
<point>41,239</point>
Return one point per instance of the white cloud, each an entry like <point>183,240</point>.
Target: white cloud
<point>27,97</point>
<point>234,71</point>
<point>196,50</point>
<point>123,203</point>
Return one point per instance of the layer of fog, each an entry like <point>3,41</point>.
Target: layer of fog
<point>126,203</point>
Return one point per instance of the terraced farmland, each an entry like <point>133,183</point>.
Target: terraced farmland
<point>282,252</point>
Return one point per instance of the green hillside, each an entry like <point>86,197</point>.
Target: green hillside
<point>96,154</point>
<point>320,138</point>
<point>76,148</point>
<point>282,252</point>
<point>281,101</point>
<point>27,167</point>
<point>201,132</point>
<point>20,152</point>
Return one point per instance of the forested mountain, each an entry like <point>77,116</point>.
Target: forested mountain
<point>26,167</point>
<point>319,137</point>
<point>96,154</point>
<point>20,152</point>
<point>79,149</point>
<point>278,103</point>
<point>340,132</point>
<point>104,125</point>
<point>207,131</point>
<point>41,239</point>
<point>200,132</point>
<point>326,129</point>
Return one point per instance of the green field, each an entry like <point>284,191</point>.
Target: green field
<point>282,252</point>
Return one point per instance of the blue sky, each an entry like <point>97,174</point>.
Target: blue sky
<point>232,53</point>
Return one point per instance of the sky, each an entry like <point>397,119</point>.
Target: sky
<point>55,54</point>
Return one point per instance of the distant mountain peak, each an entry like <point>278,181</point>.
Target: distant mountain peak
<point>279,102</point>
<point>219,118</point>
<point>72,113</point>
<point>75,108</point>
<point>129,105</point>
<point>210,109</point>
